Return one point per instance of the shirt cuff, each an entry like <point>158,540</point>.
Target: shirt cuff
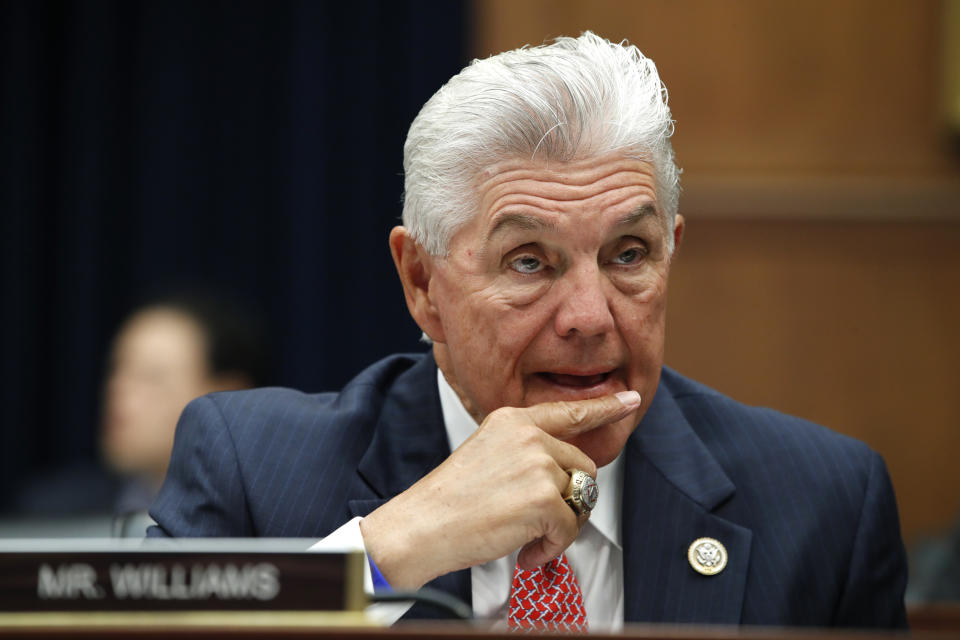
<point>349,538</point>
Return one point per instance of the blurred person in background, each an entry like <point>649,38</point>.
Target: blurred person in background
<point>166,353</point>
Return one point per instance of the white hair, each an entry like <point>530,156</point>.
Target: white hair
<point>577,98</point>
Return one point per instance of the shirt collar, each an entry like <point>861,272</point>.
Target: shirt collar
<point>605,516</point>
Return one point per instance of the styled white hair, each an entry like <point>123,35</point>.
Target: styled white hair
<point>576,98</point>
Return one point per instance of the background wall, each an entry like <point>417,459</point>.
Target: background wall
<point>820,273</point>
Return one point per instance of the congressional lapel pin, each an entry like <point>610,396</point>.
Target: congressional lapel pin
<point>707,556</point>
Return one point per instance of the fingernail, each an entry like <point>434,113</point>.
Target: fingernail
<point>630,399</point>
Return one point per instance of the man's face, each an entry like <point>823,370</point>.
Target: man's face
<point>556,290</point>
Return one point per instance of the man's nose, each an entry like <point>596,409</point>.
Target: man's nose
<point>583,307</point>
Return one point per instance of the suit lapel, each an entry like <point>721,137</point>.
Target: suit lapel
<point>672,484</point>
<point>409,441</point>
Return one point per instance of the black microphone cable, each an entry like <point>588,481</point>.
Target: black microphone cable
<point>433,597</point>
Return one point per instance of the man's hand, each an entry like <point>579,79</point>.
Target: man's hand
<point>499,491</point>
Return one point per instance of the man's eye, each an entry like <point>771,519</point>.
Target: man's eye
<point>526,264</point>
<point>630,256</point>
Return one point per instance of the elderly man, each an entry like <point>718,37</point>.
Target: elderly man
<point>540,221</point>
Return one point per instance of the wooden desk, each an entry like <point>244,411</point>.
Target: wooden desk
<point>928,622</point>
<point>455,631</point>
<point>943,616</point>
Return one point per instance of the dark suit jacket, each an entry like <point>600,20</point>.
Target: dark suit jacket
<point>808,516</point>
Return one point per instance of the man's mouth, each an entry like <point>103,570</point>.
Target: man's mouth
<point>570,380</point>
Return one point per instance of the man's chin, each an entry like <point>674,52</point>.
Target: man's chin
<point>605,443</point>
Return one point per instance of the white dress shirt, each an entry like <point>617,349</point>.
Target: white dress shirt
<point>596,556</point>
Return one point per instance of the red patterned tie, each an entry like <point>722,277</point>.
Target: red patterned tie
<point>548,597</point>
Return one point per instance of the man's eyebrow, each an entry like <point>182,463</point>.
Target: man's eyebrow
<point>637,215</point>
<point>519,221</point>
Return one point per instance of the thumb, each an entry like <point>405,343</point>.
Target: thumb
<point>565,419</point>
<point>539,552</point>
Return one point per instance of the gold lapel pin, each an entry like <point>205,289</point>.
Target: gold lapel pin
<point>707,556</point>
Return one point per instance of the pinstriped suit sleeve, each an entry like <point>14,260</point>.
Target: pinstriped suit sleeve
<point>203,493</point>
<point>877,576</point>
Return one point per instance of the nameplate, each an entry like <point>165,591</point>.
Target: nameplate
<point>187,575</point>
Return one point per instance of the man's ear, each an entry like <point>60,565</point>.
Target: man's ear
<point>416,268</point>
<point>678,227</point>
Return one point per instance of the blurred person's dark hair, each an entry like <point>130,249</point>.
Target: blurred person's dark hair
<point>236,341</point>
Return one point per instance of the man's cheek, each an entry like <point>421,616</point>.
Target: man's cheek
<point>507,292</point>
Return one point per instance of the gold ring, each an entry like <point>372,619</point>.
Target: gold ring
<point>582,492</point>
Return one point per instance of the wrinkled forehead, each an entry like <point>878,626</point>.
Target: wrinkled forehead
<point>529,192</point>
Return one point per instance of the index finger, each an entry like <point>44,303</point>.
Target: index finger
<point>565,419</point>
